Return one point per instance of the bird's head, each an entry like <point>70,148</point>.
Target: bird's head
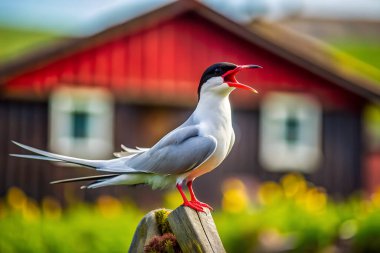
<point>220,78</point>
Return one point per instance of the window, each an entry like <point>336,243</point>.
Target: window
<point>81,122</point>
<point>290,132</point>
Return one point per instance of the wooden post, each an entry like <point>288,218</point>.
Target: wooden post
<point>195,231</point>
<point>146,229</point>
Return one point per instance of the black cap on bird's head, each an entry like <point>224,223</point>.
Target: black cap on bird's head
<point>227,71</point>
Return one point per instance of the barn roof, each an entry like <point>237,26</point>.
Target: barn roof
<point>267,36</point>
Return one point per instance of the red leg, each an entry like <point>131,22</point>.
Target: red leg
<point>194,199</point>
<point>190,204</point>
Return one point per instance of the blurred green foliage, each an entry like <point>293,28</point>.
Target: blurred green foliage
<point>289,216</point>
<point>14,42</point>
<point>102,227</point>
<point>364,50</point>
<point>355,57</point>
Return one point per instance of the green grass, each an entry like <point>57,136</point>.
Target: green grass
<point>366,51</point>
<point>361,56</point>
<point>14,43</point>
<point>289,216</point>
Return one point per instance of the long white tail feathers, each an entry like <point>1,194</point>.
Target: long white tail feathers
<point>122,174</point>
<point>106,180</point>
<point>44,155</point>
<point>37,157</point>
<point>124,179</point>
<point>79,179</point>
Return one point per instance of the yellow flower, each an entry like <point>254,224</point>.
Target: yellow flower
<point>269,193</point>
<point>376,198</point>
<point>51,208</point>
<point>30,210</point>
<point>293,185</point>
<point>109,206</point>
<point>16,198</point>
<point>315,200</point>
<point>235,197</point>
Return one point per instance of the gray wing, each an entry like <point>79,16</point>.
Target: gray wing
<point>181,150</point>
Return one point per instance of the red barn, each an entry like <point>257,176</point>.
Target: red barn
<point>137,80</point>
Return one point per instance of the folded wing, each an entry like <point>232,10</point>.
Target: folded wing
<point>180,151</point>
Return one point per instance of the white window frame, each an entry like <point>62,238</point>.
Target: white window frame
<point>279,150</point>
<point>98,105</point>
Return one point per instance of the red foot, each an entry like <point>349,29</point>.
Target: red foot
<point>193,206</point>
<point>193,203</point>
<point>204,205</point>
<point>194,199</point>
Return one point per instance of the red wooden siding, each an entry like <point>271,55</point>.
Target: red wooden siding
<point>165,61</point>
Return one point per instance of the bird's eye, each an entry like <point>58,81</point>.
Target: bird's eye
<point>218,71</point>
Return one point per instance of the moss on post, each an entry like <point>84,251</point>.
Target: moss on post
<point>162,221</point>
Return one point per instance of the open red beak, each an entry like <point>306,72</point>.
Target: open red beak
<point>229,77</point>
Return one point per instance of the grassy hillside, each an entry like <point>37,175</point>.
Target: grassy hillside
<point>14,42</point>
<point>366,51</point>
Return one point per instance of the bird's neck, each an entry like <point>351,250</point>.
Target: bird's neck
<point>214,107</point>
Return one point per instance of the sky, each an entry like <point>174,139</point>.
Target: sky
<point>73,17</point>
<point>85,17</point>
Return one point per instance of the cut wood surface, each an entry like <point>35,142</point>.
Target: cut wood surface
<point>195,231</point>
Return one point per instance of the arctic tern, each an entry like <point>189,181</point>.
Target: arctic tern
<point>194,148</point>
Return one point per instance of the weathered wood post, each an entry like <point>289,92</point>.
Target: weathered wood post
<point>194,231</point>
<point>146,229</point>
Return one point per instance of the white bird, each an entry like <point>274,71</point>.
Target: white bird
<point>194,148</point>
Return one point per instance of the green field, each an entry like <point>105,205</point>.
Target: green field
<point>289,216</point>
<point>14,43</point>
<point>360,56</point>
<point>366,51</point>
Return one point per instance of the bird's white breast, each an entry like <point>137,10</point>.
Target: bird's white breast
<point>214,116</point>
